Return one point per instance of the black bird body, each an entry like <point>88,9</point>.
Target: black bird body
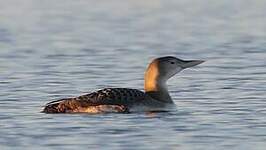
<point>108,99</point>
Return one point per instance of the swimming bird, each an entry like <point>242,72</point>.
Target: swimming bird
<point>155,98</point>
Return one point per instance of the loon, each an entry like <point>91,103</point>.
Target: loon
<point>124,100</point>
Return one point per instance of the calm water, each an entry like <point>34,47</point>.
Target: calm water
<point>55,49</point>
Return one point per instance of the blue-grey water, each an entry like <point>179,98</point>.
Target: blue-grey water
<point>51,49</point>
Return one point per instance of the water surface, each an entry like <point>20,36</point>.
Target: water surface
<point>57,49</point>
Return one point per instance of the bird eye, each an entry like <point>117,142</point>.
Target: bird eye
<point>172,62</point>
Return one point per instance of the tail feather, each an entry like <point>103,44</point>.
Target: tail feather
<point>61,106</point>
<point>51,108</point>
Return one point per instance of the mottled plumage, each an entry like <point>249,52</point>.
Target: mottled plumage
<point>113,99</point>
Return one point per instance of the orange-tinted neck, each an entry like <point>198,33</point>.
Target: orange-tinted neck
<point>155,85</point>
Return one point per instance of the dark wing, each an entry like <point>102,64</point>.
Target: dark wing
<point>120,98</point>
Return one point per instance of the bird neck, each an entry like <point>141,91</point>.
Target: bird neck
<point>155,85</point>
